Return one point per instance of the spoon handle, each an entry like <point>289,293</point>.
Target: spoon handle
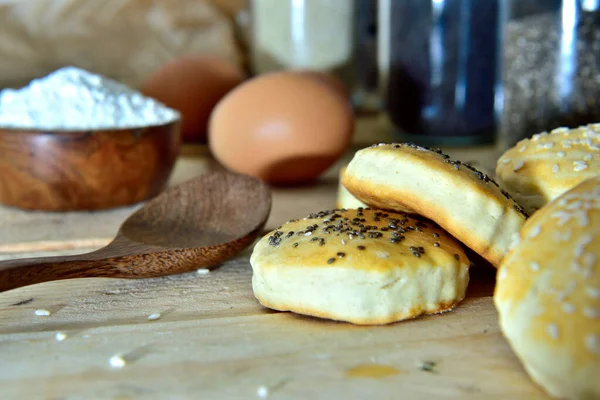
<point>28,271</point>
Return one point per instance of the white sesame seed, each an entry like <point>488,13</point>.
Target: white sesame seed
<point>593,343</point>
<point>567,144</point>
<point>343,241</point>
<point>591,312</point>
<point>42,313</point>
<point>560,154</point>
<point>568,308</point>
<point>587,157</point>
<point>308,233</point>
<point>154,316</point>
<point>202,271</point>
<point>382,254</point>
<point>552,331</point>
<point>534,266</point>
<point>555,168</point>
<point>524,147</point>
<point>117,361</point>
<point>546,146</point>
<point>262,392</point>
<point>515,240</point>
<point>60,336</point>
<point>506,160</point>
<point>579,165</point>
<point>518,164</point>
<point>593,292</point>
<point>533,232</point>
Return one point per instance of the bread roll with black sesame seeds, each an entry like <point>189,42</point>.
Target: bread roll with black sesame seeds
<point>538,169</point>
<point>361,266</point>
<point>548,294</point>
<point>464,201</point>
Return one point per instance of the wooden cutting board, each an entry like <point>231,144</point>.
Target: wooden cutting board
<point>213,340</point>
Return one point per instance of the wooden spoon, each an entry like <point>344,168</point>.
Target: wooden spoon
<point>200,223</point>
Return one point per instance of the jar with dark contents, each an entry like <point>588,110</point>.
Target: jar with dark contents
<point>551,66</point>
<point>439,65</point>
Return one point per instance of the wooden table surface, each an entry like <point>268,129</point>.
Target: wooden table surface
<point>214,341</point>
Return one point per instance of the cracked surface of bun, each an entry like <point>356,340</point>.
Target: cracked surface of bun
<point>361,266</point>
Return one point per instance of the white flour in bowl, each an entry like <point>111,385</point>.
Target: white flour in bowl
<point>71,99</point>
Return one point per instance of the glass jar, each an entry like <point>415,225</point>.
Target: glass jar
<point>439,65</point>
<point>551,66</point>
<point>302,34</point>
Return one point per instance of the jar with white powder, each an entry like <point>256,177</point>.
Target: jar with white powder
<point>304,34</point>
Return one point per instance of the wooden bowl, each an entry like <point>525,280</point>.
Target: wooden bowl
<point>85,170</point>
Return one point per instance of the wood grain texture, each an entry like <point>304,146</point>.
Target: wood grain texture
<point>214,341</point>
<point>89,170</point>
<point>199,223</point>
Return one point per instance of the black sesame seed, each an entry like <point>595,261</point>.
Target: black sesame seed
<point>436,235</point>
<point>295,244</point>
<point>360,247</point>
<point>341,255</point>
<point>416,254</point>
<point>321,242</point>
<point>457,256</point>
<point>331,260</point>
<point>314,239</point>
<point>289,234</point>
<point>436,244</point>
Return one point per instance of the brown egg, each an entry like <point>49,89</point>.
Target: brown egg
<point>193,85</point>
<point>282,127</point>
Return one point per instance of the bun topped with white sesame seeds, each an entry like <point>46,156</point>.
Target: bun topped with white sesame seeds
<point>361,266</point>
<point>548,294</point>
<point>464,201</point>
<point>539,169</point>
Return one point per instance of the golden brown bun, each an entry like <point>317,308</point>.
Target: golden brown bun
<point>465,202</point>
<point>548,294</point>
<point>362,266</point>
<point>539,169</point>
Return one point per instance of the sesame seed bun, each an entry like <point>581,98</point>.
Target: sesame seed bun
<point>464,201</point>
<point>361,266</point>
<point>548,294</point>
<point>539,169</point>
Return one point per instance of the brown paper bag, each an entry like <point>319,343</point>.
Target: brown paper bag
<point>121,39</point>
